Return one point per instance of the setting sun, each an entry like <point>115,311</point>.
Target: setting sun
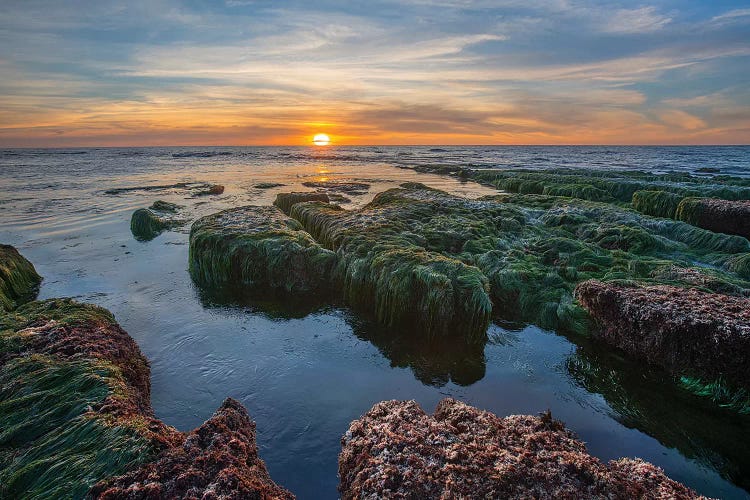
<point>321,140</point>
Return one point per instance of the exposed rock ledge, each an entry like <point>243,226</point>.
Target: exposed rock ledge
<point>396,450</point>
<point>685,331</point>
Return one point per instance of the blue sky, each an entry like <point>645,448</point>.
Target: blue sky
<point>379,72</point>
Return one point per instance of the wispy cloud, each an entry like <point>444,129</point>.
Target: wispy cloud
<point>536,71</point>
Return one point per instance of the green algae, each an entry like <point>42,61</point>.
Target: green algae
<point>49,446</point>
<point>19,281</point>
<point>446,265</point>
<point>285,200</point>
<point>257,248</point>
<point>53,442</point>
<point>656,203</point>
<point>148,223</point>
<point>719,392</point>
<point>608,185</point>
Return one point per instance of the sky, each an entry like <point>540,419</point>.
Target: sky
<point>256,72</point>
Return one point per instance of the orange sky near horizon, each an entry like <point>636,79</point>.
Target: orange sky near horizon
<point>417,72</point>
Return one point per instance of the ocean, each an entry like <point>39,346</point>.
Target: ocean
<point>305,372</point>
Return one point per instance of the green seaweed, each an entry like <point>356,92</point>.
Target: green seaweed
<point>148,223</point>
<point>689,210</point>
<point>719,392</point>
<point>446,264</point>
<point>49,446</point>
<point>285,200</point>
<point>53,441</point>
<point>19,281</point>
<point>257,248</point>
<point>656,203</point>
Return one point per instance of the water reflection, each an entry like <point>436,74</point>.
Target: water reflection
<point>650,401</point>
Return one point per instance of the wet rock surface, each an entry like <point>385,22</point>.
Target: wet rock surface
<point>190,188</point>
<point>687,332</point>
<point>396,450</point>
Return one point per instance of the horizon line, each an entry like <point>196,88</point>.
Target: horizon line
<point>377,145</point>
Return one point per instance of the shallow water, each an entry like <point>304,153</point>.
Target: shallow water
<point>305,371</point>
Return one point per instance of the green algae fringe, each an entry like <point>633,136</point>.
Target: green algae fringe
<point>19,281</point>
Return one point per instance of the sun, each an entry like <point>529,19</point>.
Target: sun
<point>321,140</point>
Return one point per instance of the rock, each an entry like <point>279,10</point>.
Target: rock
<point>258,249</point>
<point>165,206</point>
<point>268,185</point>
<point>719,216</point>
<point>19,281</point>
<point>687,332</point>
<point>148,223</point>
<point>212,189</point>
<point>219,459</point>
<point>75,411</point>
<point>396,450</point>
<point>285,200</point>
<point>349,187</point>
<point>194,188</point>
<point>442,265</point>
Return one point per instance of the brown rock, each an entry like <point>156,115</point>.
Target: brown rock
<point>396,450</point>
<point>685,331</point>
<point>219,459</point>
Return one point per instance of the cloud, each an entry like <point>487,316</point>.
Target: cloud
<point>631,21</point>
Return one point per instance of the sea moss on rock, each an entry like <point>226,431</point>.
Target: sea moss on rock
<point>720,216</point>
<point>656,203</point>
<point>19,281</point>
<point>285,200</point>
<point>148,223</point>
<point>258,248</point>
<point>394,259</point>
<point>397,450</point>
<point>687,332</point>
<point>75,401</point>
<point>75,411</point>
<point>445,264</point>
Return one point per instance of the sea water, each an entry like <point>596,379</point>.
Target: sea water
<point>305,372</point>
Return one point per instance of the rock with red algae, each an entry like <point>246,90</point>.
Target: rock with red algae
<point>719,216</point>
<point>219,459</point>
<point>396,450</point>
<point>685,331</point>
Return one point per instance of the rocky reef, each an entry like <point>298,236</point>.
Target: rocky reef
<point>148,223</point>
<point>396,450</point>
<point>701,337</point>
<point>191,188</point>
<point>19,280</point>
<point>445,264</point>
<point>258,248</point>
<point>75,413</point>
